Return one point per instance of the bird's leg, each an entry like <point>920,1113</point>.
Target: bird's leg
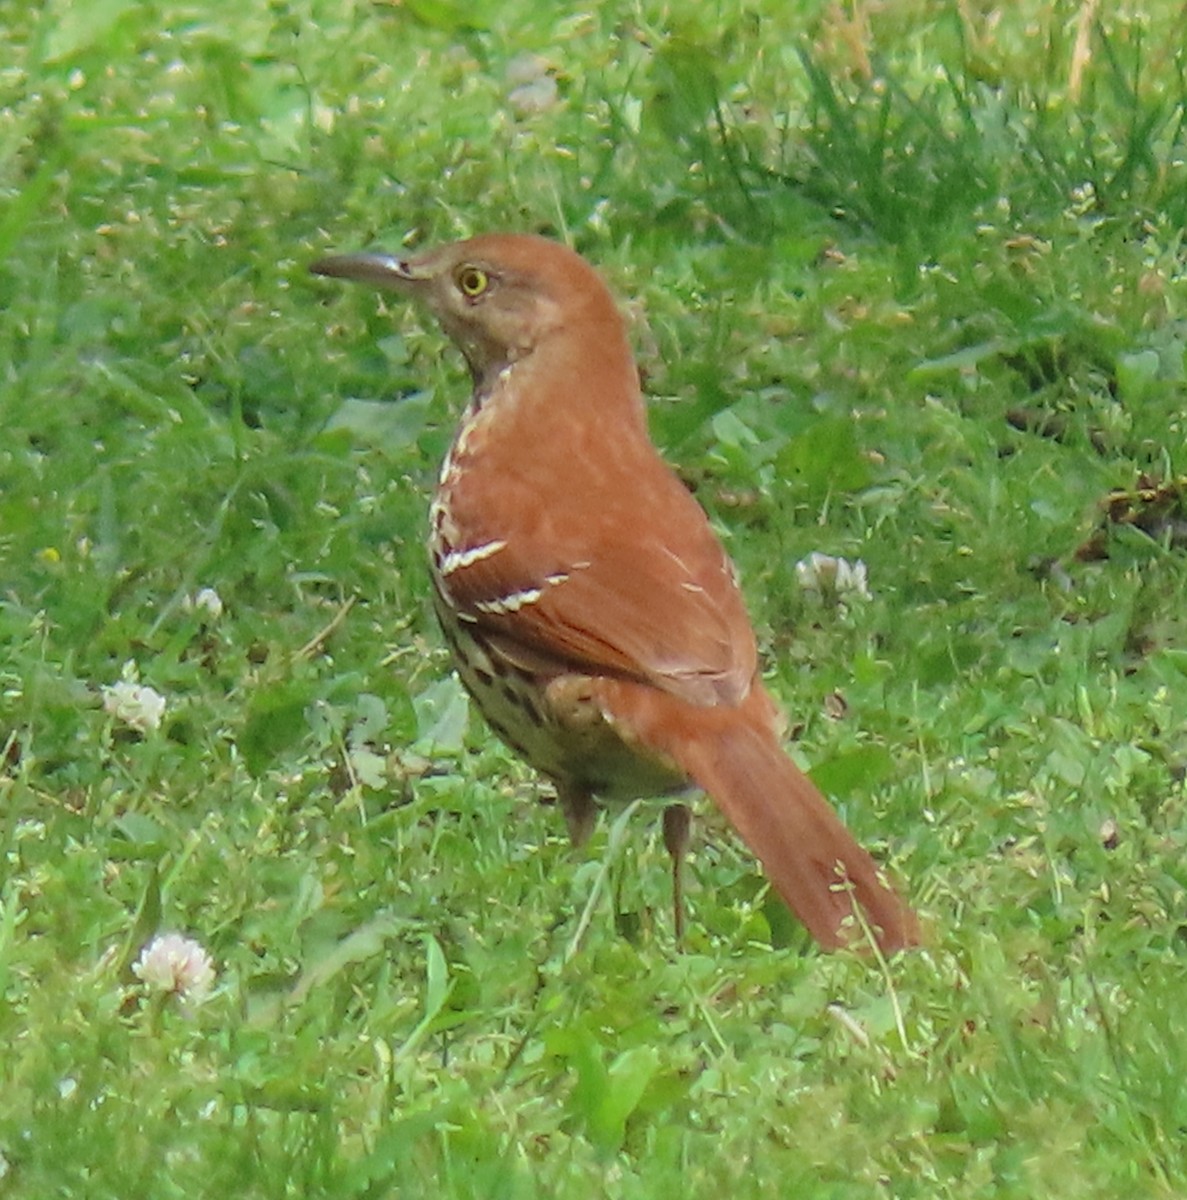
<point>677,821</point>
<point>581,813</point>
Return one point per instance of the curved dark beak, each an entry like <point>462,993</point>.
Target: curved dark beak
<point>378,268</point>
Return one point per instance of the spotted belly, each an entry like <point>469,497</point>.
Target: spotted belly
<point>551,720</point>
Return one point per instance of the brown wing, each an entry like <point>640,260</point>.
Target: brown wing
<point>660,606</point>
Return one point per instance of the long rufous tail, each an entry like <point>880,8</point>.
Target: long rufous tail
<point>807,853</point>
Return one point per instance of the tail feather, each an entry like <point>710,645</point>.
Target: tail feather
<point>807,853</point>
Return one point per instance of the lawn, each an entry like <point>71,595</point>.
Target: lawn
<point>908,285</point>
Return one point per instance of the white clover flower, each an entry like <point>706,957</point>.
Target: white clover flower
<point>177,966</point>
<point>208,602</point>
<point>532,83</point>
<point>136,705</point>
<point>852,580</point>
<point>835,579</point>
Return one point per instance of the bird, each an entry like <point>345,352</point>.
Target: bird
<point>593,613</point>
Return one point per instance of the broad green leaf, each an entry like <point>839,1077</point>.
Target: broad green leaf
<point>275,722</point>
<point>825,458</point>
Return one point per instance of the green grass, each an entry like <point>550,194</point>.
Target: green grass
<point>908,284</point>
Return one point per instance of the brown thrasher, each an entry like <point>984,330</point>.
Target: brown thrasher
<point>593,614</point>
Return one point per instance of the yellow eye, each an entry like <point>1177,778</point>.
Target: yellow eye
<point>472,282</point>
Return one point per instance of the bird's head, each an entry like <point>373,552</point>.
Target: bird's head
<point>499,297</point>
